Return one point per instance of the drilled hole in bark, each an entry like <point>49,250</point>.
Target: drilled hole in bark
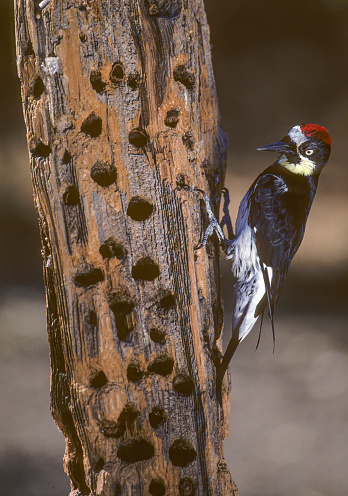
<point>134,372</point>
<point>92,318</point>
<point>103,174</point>
<point>38,88</point>
<point>29,49</point>
<point>71,195</point>
<point>183,76</point>
<point>172,117</point>
<point>98,379</point>
<point>145,270</point>
<point>167,300</point>
<point>162,365</point>
<point>138,137</point>
<point>83,37</point>
<point>156,417</point>
<point>189,140</point>
<point>126,419</point>
<point>110,249</point>
<point>99,465</point>
<point>139,208</point>
<point>92,125</point>
<point>96,81</point>
<point>157,335</point>
<point>187,487</point>
<point>88,276</point>
<point>133,80</point>
<point>183,384</point>
<point>135,450</point>
<point>110,428</point>
<point>39,149</point>
<point>120,302</point>
<point>116,73</point>
<point>181,453</point>
<point>122,305</point>
<point>66,157</point>
<point>157,487</point>
<point>118,489</point>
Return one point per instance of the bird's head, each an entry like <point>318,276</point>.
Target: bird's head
<point>304,150</point>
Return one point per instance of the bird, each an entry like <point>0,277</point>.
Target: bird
<point>269,229</point>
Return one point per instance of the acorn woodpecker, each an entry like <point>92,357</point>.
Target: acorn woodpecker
<point>269,229</point>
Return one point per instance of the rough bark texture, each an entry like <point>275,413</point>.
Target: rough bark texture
<point>121,113</point>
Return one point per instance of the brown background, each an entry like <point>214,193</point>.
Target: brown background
<point>276,64</point>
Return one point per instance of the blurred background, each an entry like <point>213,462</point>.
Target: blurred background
<point>276,64</point>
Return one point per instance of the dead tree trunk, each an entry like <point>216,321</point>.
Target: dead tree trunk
<point>121,113</point>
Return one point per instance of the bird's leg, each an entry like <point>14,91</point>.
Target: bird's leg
<point>213,223</point>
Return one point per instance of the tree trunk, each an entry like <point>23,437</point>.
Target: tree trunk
<point>121,113</point>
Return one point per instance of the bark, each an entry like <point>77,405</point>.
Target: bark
<point>121,112</point>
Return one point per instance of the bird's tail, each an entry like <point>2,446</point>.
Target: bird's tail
<point>231,348</point>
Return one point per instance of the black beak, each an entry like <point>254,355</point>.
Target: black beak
<point>280,147</point>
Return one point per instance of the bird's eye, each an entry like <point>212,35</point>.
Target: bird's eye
<point>309,151</point>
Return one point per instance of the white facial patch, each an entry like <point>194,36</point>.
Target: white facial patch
<point>297,135</point>
<point>305,167</point>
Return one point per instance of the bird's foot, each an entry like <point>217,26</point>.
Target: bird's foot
<point>214,224</point>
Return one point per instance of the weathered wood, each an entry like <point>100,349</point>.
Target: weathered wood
<point>121,113</point>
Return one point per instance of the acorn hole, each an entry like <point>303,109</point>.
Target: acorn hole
<point>184,76</point>
<point>157,417</point>
<point>139,209</point>
<point>135,450</point>
<point>145,270</point>
<point>92,126</point>
<point>104,174</point>
<point>116,73</point>
<point>181,453</point>
<point>38,88</point>
<point>157,335</point>
<point>111,248</point>
<point>39,149</point>
<point>122,305</point>
<point>157,487</point>
<point>172,117</point>
<point>96,81</point>
<point>183,384</point>
<point>134,372</point>
<point>162,365</point>
<point>98,379</point>
<point>138,138</point>
<point>71,195</point>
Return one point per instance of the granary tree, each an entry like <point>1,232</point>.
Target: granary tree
<point>121,114</point>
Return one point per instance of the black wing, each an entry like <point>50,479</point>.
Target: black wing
<point>278,214</point>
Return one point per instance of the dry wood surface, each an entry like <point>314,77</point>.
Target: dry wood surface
<point>121,112</point>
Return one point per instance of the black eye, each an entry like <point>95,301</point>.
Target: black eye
<point>309,151</point>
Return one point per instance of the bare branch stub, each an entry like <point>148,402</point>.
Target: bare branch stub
<point>119,102</point>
